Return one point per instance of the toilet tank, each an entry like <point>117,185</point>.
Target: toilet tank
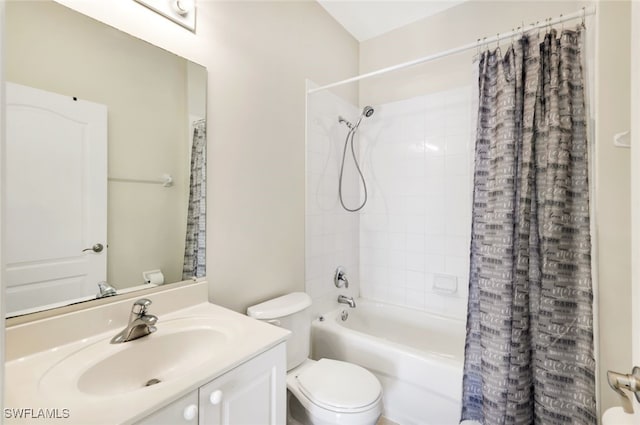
<point>292,312</point>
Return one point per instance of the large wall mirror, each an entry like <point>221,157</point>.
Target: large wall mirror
<point>106,160</point>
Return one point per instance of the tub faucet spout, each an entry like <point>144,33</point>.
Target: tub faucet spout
<point>347,300</point>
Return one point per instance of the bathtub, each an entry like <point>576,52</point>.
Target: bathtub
<point>418,357</point>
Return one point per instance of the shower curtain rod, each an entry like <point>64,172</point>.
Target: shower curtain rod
<point>585,11</point>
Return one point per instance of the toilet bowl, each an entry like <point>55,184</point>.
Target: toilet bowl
<point>323,392</point>
<point>333,392</point>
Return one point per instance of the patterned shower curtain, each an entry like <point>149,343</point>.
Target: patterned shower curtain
<point>195,242</point>
<point>529,348</point>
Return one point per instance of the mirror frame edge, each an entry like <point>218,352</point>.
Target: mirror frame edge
<point>13,320</point>
<point>84,305</point>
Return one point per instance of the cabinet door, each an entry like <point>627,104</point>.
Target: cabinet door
<point>183,411</point>
<point>254,393</point>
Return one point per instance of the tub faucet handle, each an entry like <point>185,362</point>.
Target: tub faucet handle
<point>340,278</point>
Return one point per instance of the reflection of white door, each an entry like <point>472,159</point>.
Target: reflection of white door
<point>56,197</point>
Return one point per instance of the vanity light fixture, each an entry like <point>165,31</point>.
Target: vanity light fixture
<point>182,12</point>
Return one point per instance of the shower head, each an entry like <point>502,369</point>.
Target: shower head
<point>366,112</point>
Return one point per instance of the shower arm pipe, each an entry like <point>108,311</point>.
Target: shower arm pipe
<point>585,11</point>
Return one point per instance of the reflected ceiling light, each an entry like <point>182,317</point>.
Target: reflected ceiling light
<point>182,7</point>
<point>182,12</point>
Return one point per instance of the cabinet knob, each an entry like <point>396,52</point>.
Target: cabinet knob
<point>215,397</point>
<point>190,412</point>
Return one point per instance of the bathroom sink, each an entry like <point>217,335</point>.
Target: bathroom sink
<point>106,370</point>
<point>79,370</point>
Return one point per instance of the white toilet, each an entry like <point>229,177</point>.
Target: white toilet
<point>323,392</point>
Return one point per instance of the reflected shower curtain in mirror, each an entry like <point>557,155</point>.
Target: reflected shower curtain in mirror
<point>529,347</point>
<point>195,242</point>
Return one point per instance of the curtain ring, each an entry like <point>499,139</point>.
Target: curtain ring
<point>498,41</point>
<point>584,12</point>
<point>478,48</point>
<point>561,24</point>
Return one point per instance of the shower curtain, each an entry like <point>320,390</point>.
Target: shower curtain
<point>529,348</point>
<point>195,241</point>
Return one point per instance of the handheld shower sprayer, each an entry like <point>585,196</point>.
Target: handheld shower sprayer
<point>367,111</point>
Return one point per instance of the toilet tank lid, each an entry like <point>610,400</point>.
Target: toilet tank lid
<point>280,307</point>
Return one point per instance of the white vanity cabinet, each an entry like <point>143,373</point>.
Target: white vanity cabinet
<point>183,411</point>
<point>254,393</point>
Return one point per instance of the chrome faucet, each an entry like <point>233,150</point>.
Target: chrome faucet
<point>140,323</point>
<point>347,300</point>
<point>340,278</point>
<point>105,290</point>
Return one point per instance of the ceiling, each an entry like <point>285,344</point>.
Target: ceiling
<point>366,19</point>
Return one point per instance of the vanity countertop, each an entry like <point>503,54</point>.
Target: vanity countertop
<point>45,383</point>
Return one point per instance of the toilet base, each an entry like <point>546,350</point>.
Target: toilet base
<point>298,415</point>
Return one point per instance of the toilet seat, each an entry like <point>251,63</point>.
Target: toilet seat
<point>339,386</point>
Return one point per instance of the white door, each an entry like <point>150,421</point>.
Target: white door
<point>56,198</point>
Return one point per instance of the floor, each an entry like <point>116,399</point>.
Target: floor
<point>385,421</point>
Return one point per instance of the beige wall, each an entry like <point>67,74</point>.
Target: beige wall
<point>3,286</point>
<point>257,98</point>
<point>258,55</point>
<point>53,48</point>
<point>613,192</point>
<point>635,177</point>
<point>450,29</point>
<point>460,25</point>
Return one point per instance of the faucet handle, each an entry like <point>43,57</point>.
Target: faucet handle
<point>340,278</point>
<point>140,306</point>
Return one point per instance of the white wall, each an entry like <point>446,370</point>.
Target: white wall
<point>415,230</point>
<point>332,233</point>
<point>258,55</point>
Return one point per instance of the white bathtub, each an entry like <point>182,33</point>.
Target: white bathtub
<point>418,357</point>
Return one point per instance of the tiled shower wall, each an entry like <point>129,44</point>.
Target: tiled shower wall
<point>332,234</point>
<point>410,244</point>
<point>415,230</point>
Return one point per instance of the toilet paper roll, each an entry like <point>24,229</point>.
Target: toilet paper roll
<point>153,276</point>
